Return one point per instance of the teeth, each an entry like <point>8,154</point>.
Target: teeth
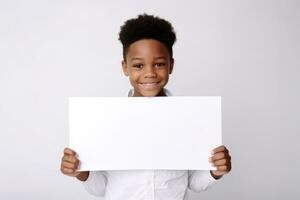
<point>149,83</point>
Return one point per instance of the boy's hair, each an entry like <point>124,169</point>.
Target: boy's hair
<point>147,27</point>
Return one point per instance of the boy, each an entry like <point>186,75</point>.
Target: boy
<point>147,61</point>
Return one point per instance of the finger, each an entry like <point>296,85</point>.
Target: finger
<point>67,171</point>
<point>71,159</point>
<point>219,173</point>
<point>220,162</point>
<point>223,168</point>
<point>221,148</point>
<point>218,156</point>
<point>69,165</point>
<point>69,151</point>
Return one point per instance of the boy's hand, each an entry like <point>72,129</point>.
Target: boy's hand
<point>70,163</point>
<point>222,160</point>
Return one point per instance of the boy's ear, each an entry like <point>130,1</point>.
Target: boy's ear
<point>171,66</point>
<point>125,68</point>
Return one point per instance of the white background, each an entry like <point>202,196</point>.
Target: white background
<point>245,51</point>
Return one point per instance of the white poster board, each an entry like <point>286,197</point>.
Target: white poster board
<point>120,133</point>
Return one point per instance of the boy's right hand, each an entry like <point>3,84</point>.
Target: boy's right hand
<point>69,163</point>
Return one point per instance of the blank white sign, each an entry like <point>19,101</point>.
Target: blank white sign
<point>120,133</point>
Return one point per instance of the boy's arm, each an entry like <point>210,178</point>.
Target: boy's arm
<point>83,176</point>
<point>200,180</point>
<point>95,183</point>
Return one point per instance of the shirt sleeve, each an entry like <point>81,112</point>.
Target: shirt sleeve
<point>95,184</point>
<point>200,180</point>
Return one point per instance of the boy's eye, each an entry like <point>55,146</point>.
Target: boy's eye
<point>160,64</point>
<point>137,66</point>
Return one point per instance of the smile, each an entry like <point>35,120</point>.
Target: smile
<point>149,85</point>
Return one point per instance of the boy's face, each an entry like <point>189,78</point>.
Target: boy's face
<point>148,65</point>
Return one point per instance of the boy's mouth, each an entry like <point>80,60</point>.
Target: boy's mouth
<point>149,85</point>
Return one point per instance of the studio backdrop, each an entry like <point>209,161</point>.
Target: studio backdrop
<point>245,51</point>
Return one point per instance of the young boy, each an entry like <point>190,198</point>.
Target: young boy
<point>147,60</point>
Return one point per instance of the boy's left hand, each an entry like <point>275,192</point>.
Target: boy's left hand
<point>222,160</point>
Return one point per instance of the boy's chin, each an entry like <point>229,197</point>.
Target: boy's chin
<point>150,93</point>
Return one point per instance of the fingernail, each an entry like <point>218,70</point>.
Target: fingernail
<point>212,152</point>
<point>210,159</point>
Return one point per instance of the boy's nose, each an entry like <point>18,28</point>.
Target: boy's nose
<point>150,72</point>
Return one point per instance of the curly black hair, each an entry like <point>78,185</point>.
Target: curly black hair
<point>147,27</point>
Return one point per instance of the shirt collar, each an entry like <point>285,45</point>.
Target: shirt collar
<point>166,91</point>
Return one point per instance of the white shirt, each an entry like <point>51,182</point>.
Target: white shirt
<point>147,184</point>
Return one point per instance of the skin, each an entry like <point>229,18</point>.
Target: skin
<point>70,164</point>
<point>220,159</point>
<point>148,61</point>
<point>148,65</point>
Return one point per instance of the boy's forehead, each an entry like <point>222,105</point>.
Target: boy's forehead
<point>147,47</point>
<point>147,57</point>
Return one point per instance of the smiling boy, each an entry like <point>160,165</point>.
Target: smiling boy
<point>147,61</point>
<point>148,65</point>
